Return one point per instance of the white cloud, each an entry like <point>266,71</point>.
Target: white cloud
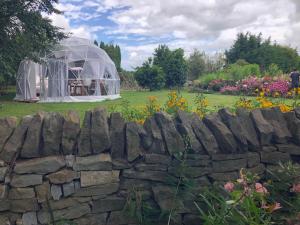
<point>209,25</point>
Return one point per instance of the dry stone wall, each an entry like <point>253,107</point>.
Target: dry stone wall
<point>54,168</point>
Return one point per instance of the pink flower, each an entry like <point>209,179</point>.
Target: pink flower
<point>229,186</point>
<point>259,188</point>
<point>272,208</point>
<point>296,188</point>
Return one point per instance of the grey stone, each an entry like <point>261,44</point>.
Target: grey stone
<point>93,219</point>
<point>147,167</point>
<point>164,196</point>
<point>223,135</point>
<point>68,189</point>
<point>84,144</point>
<point>289,148</point>
<point>275,117</point>
<point>4,205</point>
<point>52,133</point>
<point>269,149</point>
<point>71,130</point>
<point>293,123</point>
<point>4,220</point>
<point>204,135</point>
<point>65,203</point>
<point>43,192</point>
<point>100,190</point>
<point>235,126</point>
<point>274,157</point>
<point>157,159</point>
<point>197,163</point>
<point>253,159</point>
<point>94,162</point>
<point>120,218</point>
<point>40,165</point>
<point>63,176</point>
<point>173,141</point>
<point>14,143</point>
<point>159,176</point>
<point>7,126</point>
<point>21,193</point>
<point>32,144</point>
<point>185,128</point>
<point>3,171</point>
<point>133,141</point>
<point>24,205</point>
<point>117,136</point>
<point>3,191</point>
<point>130,184</point>
<point>229,176</point>
<point>29,218</point>
<point>120,164</point>
<point>229,165</point>
<point>297,111</point>
<point>190,172</point>
<point>264,129</point>
<point>99,131</point>
<point>92,178</point>
<point>108,204</point>
<point>26,180</point>
<point>197,157</point>
<point>56,192</point>
<point>156,142</point>
<point>248,128</point>
<point>221,157</point>
<point>73,212</point>
<point>70,161</point>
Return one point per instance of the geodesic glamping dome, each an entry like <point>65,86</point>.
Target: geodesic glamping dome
<point>75,70</point>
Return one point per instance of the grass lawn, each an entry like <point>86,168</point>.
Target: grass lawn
<point>9,107</point>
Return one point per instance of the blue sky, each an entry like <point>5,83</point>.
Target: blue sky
<point>139,26</point>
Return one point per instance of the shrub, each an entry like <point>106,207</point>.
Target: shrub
<point>150,76</point>
<point>277,87</point>
<point>232,90</point>
<point>274,70</point>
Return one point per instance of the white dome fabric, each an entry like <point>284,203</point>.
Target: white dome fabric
<point>75,70</point>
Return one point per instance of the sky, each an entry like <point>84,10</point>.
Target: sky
<point>139,26</point>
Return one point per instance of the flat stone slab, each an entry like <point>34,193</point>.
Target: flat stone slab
<point>26,180</point>
<point>91,178</point>
<point>43,165</point>
<point>21,193</point>
<point>94,162</point>
<point>99,190</point>
<point>63,176</point>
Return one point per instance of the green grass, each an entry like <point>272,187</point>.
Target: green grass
<point>8,107</point>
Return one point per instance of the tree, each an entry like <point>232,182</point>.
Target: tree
<point>176,73</point>
<point>196,65</point>
<point>24,32</point>
<point>255,50</point>
<point>114,53</point>
<point>172,63</point>
<point>150,76</point>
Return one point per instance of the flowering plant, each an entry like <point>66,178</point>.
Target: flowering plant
<point>230,90</point>
<point>175,102</point>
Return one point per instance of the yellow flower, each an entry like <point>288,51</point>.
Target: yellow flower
<point>285,108</point>
<point>261,94</point>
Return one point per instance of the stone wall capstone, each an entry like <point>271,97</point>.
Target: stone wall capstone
<point>52,168</point>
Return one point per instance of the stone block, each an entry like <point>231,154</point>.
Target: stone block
<point>71,130</point>
<point>253,159</point>
<point>26,180</point>
<point>84,143</point>
<point>43,165</point>
<point>52,133</point>
<point>293,124</point>
<point>7,126</point>
<point>173,140</point>
<point>92,219</point>
<point>229,165</point>
<point>66,202</point>
<point>264,129</point>
<point>24,205</point>
<point>184,126</point>
<point>4,205</point>
<point>100,138</point>
<point>223,135</point>
<point>32,144</point>
<point>258,170</point>
<point>223,157</point>
<point>56,192</point>
<point>68,189</point>
<point>94,162</point>
<point>108,204</point>
<point>157,159</point>
<point>15,141</point>
<point>21,193</point>
<point>274,157</point>
<point>3,191</point>
<point>29,218</point>
<point>43,192</point>
<point>100,190</point>
<point>289,148</point>
<point>117,136</point>
<point>159,176</point>
<point>91,178</point>
<point>230,176</point>
<point>70,161</point>
<point>120,218</point>
<point>63,176</point>
<point>134,146</point>
<point>153,167</point>
<point>3,171</point>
